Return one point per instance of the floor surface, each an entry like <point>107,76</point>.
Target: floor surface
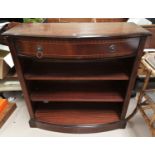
<point>17,125</point>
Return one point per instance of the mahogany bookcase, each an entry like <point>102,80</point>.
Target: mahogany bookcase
<point>77,77</point>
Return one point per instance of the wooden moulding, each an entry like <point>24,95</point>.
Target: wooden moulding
<point>6,113</point>
<point>78,118</point>
<point>78,128</point>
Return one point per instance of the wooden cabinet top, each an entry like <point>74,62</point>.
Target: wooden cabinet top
<point>77,30</point>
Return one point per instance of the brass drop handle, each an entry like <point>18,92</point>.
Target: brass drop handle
<point>112,48</point>
<point>39,53</point>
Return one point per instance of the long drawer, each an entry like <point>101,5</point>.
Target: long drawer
<point>76,48</point>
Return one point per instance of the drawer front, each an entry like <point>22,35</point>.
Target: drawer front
<point>76,48</point>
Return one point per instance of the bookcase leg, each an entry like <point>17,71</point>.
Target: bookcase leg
<point>123,126</point>
<point>32,123</point>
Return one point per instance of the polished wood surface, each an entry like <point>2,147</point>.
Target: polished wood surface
<point>133,76</point>
<point>82,91</point>
<point>78,128</point>
<point>60,82</point>
<point>78,113</point>
<point>77,48</point>
<point>84,71</point>
<point>77,30</point>
<point>3,39</point>
<point>65,77</point>
<point>20,74</point>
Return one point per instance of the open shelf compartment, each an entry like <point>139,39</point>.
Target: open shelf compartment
<point>77,113</point>
<point>117,69</point>
<point>77,91</point>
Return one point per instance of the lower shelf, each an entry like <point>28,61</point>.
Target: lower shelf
<point>78,91</point>
<point>77,96</point>
<point>72,116</point>
<point>78,117</point>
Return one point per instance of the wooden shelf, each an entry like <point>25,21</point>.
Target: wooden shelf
<point>77,91</point>
<point>114,76</point>
<point>77,114</point>
<point>77,71</point>
<point>77,96</point>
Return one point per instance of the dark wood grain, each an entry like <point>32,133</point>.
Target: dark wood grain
<point>20,77</point>
<point>78,30</point>
<point>78,128</point>
<point>77,96</point>
<point>77,91</point>
<point>77,116</point>
<point>72,113</point>
<point>112,76</point>
<point>133,76</point>
<point>76,69</point>
<point>84,118</point>
<point>77,48</point>
<point>120,70</point>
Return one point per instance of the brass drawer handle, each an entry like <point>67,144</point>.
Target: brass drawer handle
<point>39,53</point>
<point>112,48</point>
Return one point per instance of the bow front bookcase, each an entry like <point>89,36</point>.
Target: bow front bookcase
<point>77,77</point>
